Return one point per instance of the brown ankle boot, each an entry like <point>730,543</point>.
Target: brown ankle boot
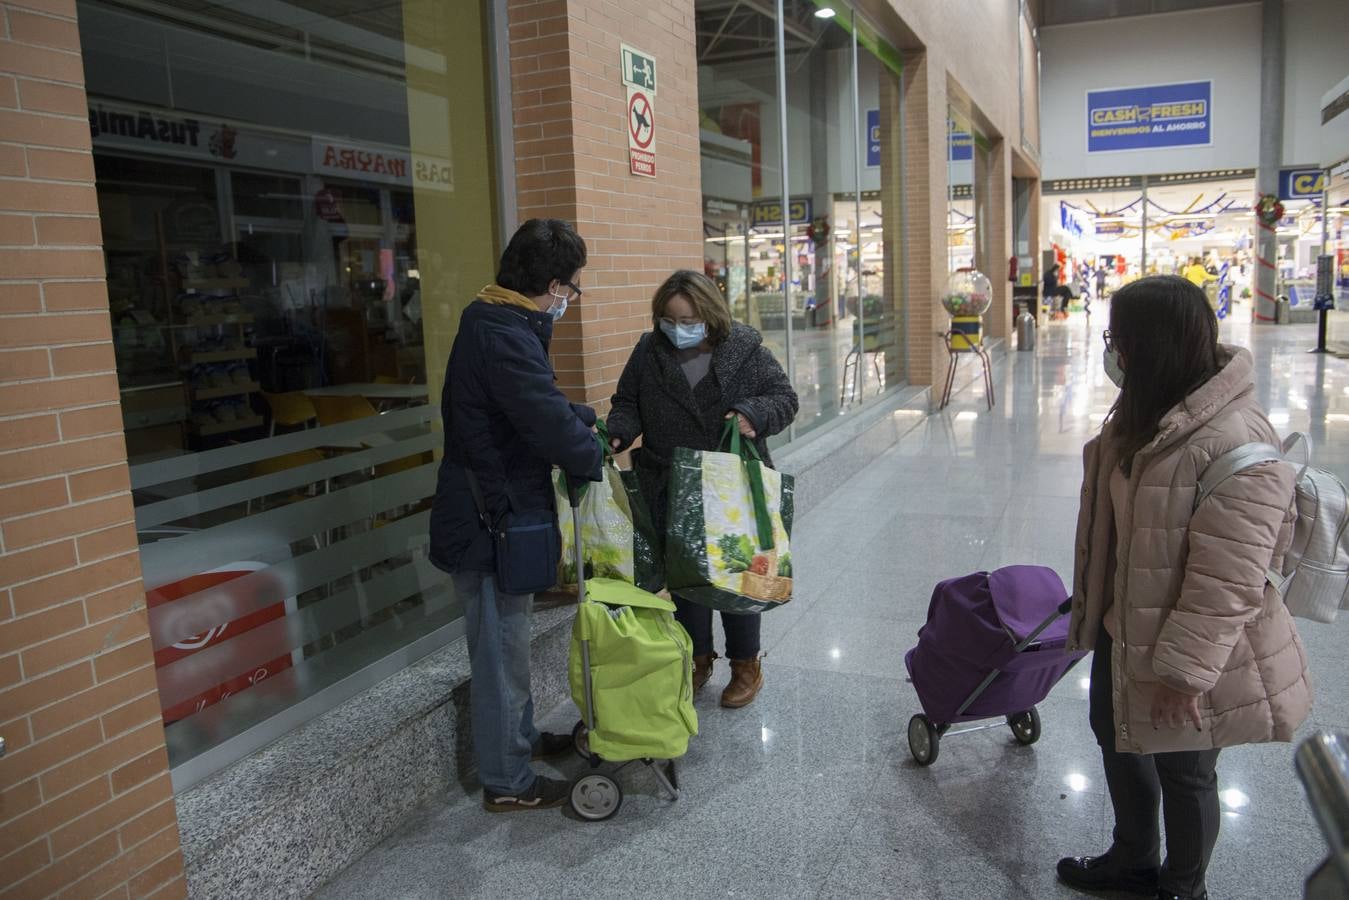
<point>746,681</point>
<point>702,670</point>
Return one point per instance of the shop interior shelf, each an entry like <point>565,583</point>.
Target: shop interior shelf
<point>229,390</point>
<point>215,284</point>
<point>207,321</point>
<point>153,418</point>
<point>226,427</point>
<point>214,356</point>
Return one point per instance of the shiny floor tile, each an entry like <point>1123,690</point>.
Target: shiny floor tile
<point>811,791</point>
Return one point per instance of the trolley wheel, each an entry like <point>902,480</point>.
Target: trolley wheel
<point>580,740</point>
<point>1025,726</point>
<point>924,740</point>
<point>595,797</point>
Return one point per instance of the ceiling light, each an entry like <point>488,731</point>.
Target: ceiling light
<point>825,12</point>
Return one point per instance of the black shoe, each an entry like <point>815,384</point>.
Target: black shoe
<point>551,745</point>
<point>1099,873</point>
<point>1170,895</point>
<point>544,793</point>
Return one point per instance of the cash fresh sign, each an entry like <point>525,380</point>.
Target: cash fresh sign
<point>1150,118</point>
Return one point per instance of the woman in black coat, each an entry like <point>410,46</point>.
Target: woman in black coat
<point>683,380</point>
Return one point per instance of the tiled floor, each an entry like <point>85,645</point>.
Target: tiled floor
<point>810,791</point>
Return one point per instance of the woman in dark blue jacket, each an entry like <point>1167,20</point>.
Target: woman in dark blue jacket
<point>506,421</point>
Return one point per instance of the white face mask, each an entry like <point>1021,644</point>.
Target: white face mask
<point>1113,371</point>
<point>685,337</point>
<point>559,307</point>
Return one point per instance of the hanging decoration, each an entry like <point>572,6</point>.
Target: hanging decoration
<point>818,230</point>
<point>1268,210</point>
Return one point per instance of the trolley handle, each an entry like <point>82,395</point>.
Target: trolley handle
<point>1062,609</point>
<point>574,490</point>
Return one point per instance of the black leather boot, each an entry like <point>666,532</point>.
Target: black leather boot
<point>1100,873</point>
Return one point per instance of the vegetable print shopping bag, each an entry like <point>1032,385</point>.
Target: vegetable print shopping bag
<point>618,539</point>
<point>727,540</point>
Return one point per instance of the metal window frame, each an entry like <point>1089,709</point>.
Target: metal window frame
<point>503,122</point>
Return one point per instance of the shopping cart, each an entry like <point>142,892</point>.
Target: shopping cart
<point>993,646</point>
<point>631,674</point>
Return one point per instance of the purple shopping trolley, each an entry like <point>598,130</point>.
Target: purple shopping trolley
<point>993,646</point>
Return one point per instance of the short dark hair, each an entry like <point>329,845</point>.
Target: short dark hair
<point>540,252</point>
<point>707,302</point>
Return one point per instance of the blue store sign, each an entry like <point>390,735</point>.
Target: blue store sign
<point>1150,118</point>
<point>1301,184</point>
<point>873,138</point>
<point>960,145</point>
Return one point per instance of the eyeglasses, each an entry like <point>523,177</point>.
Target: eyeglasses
<point>1109,340</point>
<point>576,290</point>
<point>684,321</point>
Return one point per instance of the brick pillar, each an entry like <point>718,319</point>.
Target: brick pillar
<point>572,163</point>
<point>998,242</point>
<point>925,204</point>
<point>892,222</point>
<point>86,806</point>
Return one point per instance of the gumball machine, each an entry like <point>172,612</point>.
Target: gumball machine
<point>968,296</point>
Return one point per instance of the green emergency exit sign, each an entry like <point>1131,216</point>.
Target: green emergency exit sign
<point>639,69</point>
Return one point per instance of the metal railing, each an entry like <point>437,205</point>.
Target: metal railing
<point>1323,765</point>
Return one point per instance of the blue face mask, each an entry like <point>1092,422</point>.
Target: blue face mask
<point>559,307</point>
<point>685,337</point>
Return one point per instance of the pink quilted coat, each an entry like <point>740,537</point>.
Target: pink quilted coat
<point>1195,610</point>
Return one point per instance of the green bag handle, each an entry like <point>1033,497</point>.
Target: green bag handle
<point>753,462</point>
<point>602,431</point>
<point>601,435</point>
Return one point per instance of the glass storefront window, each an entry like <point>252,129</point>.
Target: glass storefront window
<point>269,210</point>
<point>835,323</point>
<point>961,223</point>
<point>822,168</point>
<point>740,141</point>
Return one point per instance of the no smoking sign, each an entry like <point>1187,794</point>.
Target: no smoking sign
<point>641,133</point>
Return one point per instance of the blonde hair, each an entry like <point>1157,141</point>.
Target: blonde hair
<point>703,294</point>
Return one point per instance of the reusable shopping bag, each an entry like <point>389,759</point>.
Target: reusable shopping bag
<point>618,539</point>
<point>728,531</point>
<point>641,673</point>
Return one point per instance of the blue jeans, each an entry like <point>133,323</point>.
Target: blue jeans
<point>502,709</point>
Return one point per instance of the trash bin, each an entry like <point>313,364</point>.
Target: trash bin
<point>1283,311</point>
<point>1025,330</point>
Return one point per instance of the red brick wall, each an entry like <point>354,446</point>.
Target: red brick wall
<point>572,163</point>
<point>86,807</point>
<point>925,201</point>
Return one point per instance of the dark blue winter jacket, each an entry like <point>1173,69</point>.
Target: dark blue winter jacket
<point>505,417</point>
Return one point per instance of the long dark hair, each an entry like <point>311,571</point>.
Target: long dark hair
<point>1167,338</point>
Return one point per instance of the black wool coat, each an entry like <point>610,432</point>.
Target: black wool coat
<point>654,400</point>
<point>505,418</point>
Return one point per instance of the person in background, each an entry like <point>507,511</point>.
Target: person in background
<point>1194,648</point>
<point>1056,295</point>
<point>1101,275</point>
<point>695,370</point>
<point>1195,272</point>
<point>507,423</point>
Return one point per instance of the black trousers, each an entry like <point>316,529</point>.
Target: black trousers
<point>742,629</point>
<point>1184,785</point>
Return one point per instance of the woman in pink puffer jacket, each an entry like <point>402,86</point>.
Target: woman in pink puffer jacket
<point>1194,650</point>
